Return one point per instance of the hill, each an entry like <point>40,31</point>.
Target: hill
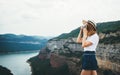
<point>13,43</point>
<point>106,28</point>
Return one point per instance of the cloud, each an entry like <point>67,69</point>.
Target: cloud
<point>53,17</point>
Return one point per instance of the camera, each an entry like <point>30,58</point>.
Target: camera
<point>83,26</point>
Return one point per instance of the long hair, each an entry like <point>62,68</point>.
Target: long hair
<point>91,28</point>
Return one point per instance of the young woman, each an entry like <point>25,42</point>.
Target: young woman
<point>89,39</point>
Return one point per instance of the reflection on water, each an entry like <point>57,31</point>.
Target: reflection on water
<point>16,62</point>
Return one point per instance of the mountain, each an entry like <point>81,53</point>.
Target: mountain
<point>62,55</point>
<point>104,27</point>
<point>14,43</point>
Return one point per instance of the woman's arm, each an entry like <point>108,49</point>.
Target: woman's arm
<point>84,42</point>
<point>79,38</point>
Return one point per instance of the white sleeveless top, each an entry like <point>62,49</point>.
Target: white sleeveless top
<point>94,39</point>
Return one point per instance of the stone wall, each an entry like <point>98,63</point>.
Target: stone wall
<point>64,44</point>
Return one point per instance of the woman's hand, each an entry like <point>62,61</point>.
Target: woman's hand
<point>84,42</point>
<point>80,35</point>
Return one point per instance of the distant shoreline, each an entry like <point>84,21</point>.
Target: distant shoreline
<point>17,52</point>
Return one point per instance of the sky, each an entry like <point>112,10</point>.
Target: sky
<point>53,17</point>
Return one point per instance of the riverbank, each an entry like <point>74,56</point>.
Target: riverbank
<point>17,52</point>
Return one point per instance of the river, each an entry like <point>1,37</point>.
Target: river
<point>16,62</point>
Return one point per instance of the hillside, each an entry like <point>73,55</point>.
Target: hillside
<point>14,43</point>
<point>104,28</point>
<point>63,50</point>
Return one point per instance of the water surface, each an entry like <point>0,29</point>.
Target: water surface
<point>16,62</point>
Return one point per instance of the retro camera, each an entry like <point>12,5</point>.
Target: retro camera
<point>83,26</point>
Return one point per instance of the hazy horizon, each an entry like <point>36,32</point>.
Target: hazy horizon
<point>53,17</point>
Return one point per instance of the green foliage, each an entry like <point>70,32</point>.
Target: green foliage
<point>73,33</point>
<point>105,27</point>
<point>108,27</point>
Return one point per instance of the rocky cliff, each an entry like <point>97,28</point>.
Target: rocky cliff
<point>5,71</point>
<point>65,51</point>
<point>108,52</point>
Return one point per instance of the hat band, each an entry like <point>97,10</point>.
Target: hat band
<point>92,23</point>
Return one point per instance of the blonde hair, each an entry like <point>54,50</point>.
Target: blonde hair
<point>91,28</point>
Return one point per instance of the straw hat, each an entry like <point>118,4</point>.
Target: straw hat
<point>92,22</point>
<point>89,21</point>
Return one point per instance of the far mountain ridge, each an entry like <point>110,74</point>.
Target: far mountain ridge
<point>8,36</point>
<point>13,42</point>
